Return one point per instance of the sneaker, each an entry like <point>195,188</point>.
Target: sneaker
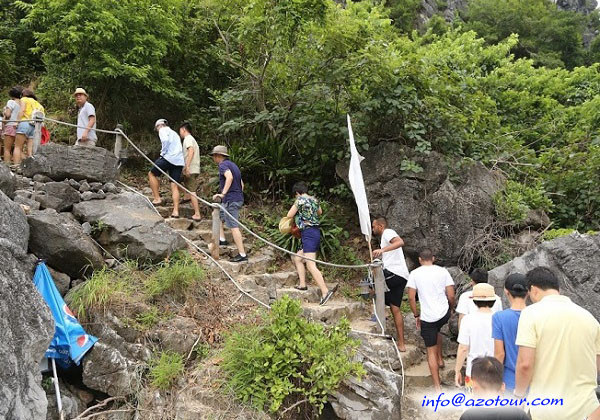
<point>239,258</point>
<point>326,298</point>
<point>223,243</point>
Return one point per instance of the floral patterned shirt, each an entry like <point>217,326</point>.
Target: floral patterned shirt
<point>308,212</point>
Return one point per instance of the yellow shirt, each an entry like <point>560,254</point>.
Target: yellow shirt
<point>567,339</point>
<point>29,106</point>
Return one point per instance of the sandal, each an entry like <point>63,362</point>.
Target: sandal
<point>301,288</point>
<point>185,200</point>
<point>157,203</point>
<point>174,216</point>
<point>196,219</point>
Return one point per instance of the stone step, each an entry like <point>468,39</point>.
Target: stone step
<point>185,210</point>
<point>313,294</point>
<point>282,279</point>
<point>418,375</point>
<point>255,264</point>
<point>333,311</point>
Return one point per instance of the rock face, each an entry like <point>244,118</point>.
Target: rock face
<point>429,209</point>
<point>575,259</point>
<point>59,196</point>
<point>61,241</point>
<point>8,182</point>
<point>25,321</point>
<point>377,395</point>
<point>61,162</point>
<point>129,228</point>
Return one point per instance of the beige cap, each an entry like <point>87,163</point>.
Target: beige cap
<point>484,292</point>
<point>80,90</point>
<point>219,150</point>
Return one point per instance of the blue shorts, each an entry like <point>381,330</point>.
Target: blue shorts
<point>233,207</point>
<point>311,239</point>
<point>173,171</point>
<point>26,129</point>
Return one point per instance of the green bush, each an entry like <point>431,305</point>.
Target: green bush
<point>174,277</point>
<point>551,234</point>
<point>516,200</point>
<point>165,369</point>
<point>289,359</point>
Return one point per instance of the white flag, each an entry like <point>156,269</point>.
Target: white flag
<point>357,185</point>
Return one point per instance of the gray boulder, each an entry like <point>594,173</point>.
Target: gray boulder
<point>59,162</point>
<point>8,182</point>
<point>60,239</point>
<point>59,196</point>
<point>25,321</point>
<point>430,208</point>
<point>130,227</point>
<point>376,396</point>
<point>61,280</point>
<point>575,259</point>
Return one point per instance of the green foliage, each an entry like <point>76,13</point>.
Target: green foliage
<point>174,277</point>
<point>202,350</point>
<point>549,36</point>
<point>165,368</point>
<point>289,359</point>
<point>516,200</point>
<point>98,292</point>
<point>404,13</point>
<point>551,234</point>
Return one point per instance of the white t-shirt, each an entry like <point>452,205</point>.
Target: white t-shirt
<point>190,141</point>
<point>430,281</point>
<point>14,112</point>
<point>476,332</point>
<point>467,306</point>
<point>393,260</point>
<point>83,119</point>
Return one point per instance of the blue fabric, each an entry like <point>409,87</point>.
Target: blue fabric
<point>171,150</point>
<point>235,193</point>
<point>504,327</point>
<point>311,239</point>
<point>26,129</point>
<point>70,342</point>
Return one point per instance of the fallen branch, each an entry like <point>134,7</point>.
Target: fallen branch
<point>101,404</point>
<point>124,410</point>
<point>292,407</point>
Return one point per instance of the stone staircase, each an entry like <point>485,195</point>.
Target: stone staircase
<point>266,279</point>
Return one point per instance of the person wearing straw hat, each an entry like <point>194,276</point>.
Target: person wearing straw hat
<point>86,119</point>
<point>475,334</point>
<point>231,194</point>
<point>170,161</point>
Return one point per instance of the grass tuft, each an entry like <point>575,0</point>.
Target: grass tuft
<point>165,369</point>
<point>174,277</point>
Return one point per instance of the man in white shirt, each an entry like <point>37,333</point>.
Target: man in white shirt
<point>191,170</point>
<point>475,336</point>
<point>170,161</point>
<point>86,119</point>
<point>394,270</point>
<point>435,287</point>
<point>466,305</point>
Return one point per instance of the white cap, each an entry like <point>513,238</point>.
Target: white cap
<point>160,121</point>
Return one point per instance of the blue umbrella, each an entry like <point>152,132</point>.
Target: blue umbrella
<point>70,342</point>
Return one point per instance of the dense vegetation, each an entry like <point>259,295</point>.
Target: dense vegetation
<point>274,79</point>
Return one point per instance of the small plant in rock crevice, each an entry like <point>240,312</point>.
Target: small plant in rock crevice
<point>165,368</point>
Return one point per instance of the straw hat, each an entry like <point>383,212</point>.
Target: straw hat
<point>219,150</point>
<point>285,225</point>
<point>80,90</point>
<point>484,292</point>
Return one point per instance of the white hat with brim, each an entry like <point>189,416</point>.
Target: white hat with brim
<point>219,150</point>
<point>80,90</point>
<point>160,121</point>
<point>484,292</point>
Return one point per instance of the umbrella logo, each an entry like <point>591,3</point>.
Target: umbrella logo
<point>68,314</point>
<point>82,340</point>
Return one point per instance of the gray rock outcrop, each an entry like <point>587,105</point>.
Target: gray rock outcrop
<point>60,162</point>
<point>130,228</point>
<point>61,241</point>
<point>575,259</point>
<point>25,321</point>
<point>59,196</point>
<point>8,182</point>
<point>429,209</point>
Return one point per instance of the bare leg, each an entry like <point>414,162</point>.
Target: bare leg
<point>399,323</point>
<point>20,140</point>
<point>154,185</point>
<point>175,194</point>
<point>9,141</point>
<point>439,351</point>
<point>196,207</point>
<point>222,233</point>
<point>239,241</point>
<point>434,367</point>
<point>312,268</point>
<point>299,263</point>
<point>29,147</point>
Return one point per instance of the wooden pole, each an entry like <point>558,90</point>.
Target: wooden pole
<point>37,133</point>
<point>379,278</point>
<point>216,233</point>
<point>118,141</point>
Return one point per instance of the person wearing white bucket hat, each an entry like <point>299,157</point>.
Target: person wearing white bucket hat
<point>86,119</point>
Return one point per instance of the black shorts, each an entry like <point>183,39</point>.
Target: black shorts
<point>173,171</point>
<point>396,284</point>
<point>430,330</point>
